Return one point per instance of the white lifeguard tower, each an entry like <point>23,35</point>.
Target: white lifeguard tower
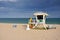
<point>40,18</point>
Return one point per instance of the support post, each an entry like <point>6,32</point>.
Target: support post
<point>44,21</point>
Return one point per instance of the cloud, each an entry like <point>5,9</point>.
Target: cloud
<point>9,0</point>
<point>25,8</point>
<point>14,13</point>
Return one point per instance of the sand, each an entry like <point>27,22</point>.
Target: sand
<point>8,32</point>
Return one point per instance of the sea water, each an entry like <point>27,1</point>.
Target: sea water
<point>25,20</point>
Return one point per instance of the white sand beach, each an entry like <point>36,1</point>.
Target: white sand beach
<point>8,32</point>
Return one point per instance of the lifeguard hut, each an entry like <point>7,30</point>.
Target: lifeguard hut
<point>40,18</point>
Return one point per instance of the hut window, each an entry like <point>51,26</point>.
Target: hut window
<point>40,17</point>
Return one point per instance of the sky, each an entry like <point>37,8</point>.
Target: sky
<point>26,8</point>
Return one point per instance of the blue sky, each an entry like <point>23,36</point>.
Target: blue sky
<point>26,8</point>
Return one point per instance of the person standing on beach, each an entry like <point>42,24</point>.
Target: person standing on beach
<point>30,20</point>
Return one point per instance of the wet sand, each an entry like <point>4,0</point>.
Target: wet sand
<point>8,32</point>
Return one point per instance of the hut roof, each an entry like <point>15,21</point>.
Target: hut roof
<point>40,13</point>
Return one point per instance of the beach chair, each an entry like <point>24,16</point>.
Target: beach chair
<point>14,25</point>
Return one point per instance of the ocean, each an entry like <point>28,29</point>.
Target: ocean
<point>25,20</point>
